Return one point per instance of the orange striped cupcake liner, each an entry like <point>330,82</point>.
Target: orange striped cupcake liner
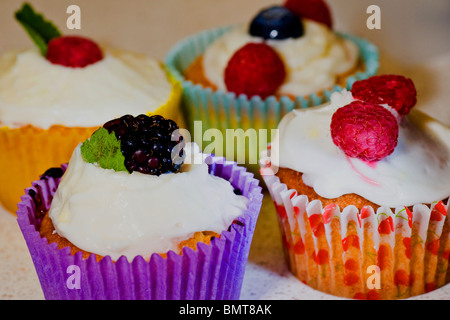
<point>382,255</point>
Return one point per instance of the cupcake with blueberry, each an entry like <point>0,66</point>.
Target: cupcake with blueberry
<point>361,187</point>
<point>248,76</point>
<point>143,214</point>
<point>55,95</point>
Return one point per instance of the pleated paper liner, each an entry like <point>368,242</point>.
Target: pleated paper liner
<point>213,271</point>
<point>221,110</point>
<point>26,152</point>
<point>366,254</point>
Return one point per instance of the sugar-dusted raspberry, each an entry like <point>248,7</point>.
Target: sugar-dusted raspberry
<point>394,90</point>
<point>316,10</point>
<point>365,131</point>
<point>255,69</point>
<point>147,143</point>
<point>73,51</point>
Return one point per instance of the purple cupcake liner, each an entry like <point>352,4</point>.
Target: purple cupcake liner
<point>212,271</point>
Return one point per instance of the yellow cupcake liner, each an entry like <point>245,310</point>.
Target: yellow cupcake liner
<point>27,152</point>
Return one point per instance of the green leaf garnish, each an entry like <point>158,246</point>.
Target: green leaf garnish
<point>103,148</point>
<point>40,30</point>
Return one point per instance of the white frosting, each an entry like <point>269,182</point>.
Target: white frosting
<point>35,91</point>
<point>418,171</point>
<point>312,61</point>
<point>117,213</point>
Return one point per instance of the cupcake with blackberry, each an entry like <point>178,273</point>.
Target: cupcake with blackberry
<point>361,187</point>
<point>55,95</point>
<point>248,76</point>
<point>144,215</point>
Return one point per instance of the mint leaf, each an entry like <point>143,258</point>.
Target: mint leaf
<point>40,30</point>
<point>103,149</point>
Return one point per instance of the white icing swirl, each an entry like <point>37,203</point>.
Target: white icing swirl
<point>312,61</point>
<point>418,171</point>
<point>35,91</point>
<point>117,213</point>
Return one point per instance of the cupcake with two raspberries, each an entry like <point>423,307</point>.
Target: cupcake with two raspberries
<point>55,95</point>
<point>250,75</point>
<point>361,187</point>
<point>143,215</point>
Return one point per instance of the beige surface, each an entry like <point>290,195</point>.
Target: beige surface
<point>411,30</point>
<point>413,40</point>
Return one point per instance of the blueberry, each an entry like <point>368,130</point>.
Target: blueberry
<point>276,23</point>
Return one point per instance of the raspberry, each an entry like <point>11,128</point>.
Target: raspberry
<point>364,131</point>
<point>394,90</point>
<point>255,69</point>
<point>316,10</point>
<point>73,51</point>
<point>147,143</point>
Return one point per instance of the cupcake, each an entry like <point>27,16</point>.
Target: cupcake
<point>250,75</point>
<point>361,187</point>
<point>55,95</point>
<point>143,215</point>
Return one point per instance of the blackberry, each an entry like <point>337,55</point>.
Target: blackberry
<point>147,143</point>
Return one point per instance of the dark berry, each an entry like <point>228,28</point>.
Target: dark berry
<point>153,162</point>
<point>276,23</point>
<point>38,201</point>
<point>147,143</point>
<point>140,156</point>
<point>131,165</point>
<point>144,170</point>
<point>110,125</point>
<point>128,145</point>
